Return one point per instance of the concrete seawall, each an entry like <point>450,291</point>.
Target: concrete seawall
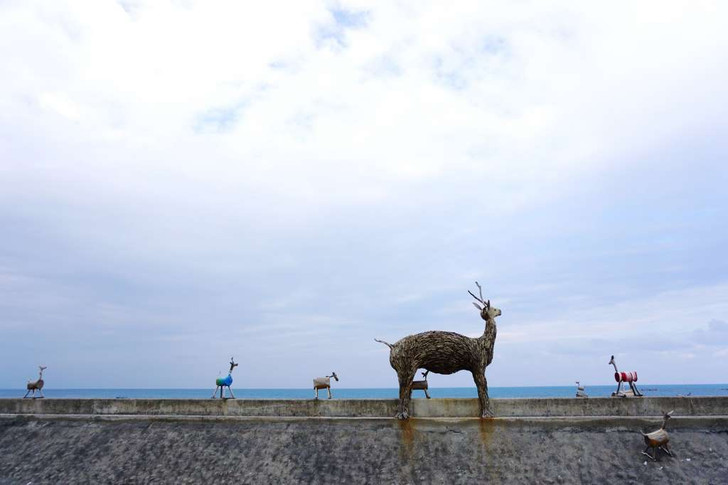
<point>371,408</point>
<point>357,441</point>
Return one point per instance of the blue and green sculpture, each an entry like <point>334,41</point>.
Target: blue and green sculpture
<point>223,382</point>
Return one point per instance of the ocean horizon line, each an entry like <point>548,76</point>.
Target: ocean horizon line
<point>656,390</point>
<point>367,388</point>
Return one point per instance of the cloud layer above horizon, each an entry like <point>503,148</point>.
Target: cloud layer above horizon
<point>183,181</point>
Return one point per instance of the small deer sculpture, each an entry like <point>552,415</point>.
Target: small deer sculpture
<point>580,392</point>
<point>36,385</point>
<point>422,385</point>
<point>657,440</point>
<point>223,382</point>
<point>446,353</point>
<point>622,377</point>
<point>324,383</point>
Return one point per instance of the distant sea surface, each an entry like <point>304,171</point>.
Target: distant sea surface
<point>382,393</point>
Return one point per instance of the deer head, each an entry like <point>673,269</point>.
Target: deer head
<point>333,374</point>
<point>42,368</point>
<point>486,311</point>
<point>232,364</point>
<point>665,417</point>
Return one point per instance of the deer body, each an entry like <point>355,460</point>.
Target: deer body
<point>324,383</point>
<point>445,353</point>
<point>658,439</point>
<point>36,385</point>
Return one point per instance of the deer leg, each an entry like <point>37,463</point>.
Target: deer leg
<point>316,391</point>
<point>427,394</point>
<point>482,385</point>
<point>214,393</point>
<point>329,390</point>
<point>634,389</point>
<point>40,391</point>
<point>230,390</point>
<point>405,392</point>
<point>26,394</point>
<point>644,452</point>
<point>666,449</point>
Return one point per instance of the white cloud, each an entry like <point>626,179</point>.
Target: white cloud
<point>182,162</point>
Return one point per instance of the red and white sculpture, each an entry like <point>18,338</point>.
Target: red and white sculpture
<point>621,377</point>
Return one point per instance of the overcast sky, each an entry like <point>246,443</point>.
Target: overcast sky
<point>184,181</point>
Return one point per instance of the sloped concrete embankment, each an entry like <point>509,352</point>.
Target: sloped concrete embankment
<point>137,448</point>
<point>353,450</point>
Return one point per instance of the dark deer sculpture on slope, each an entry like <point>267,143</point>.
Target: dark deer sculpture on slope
<point>446,353</point>
<point>657,440</point>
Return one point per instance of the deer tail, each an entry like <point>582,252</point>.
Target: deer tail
<point>383,342</point>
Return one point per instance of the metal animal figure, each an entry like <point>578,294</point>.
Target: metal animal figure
<point>446,353</point>
<point>36,385</point>
<point>580,392</point>
<point>324,383</point>
<point>223,382</point>
<point>422,385</point>
<point>621,377</point>
<point>657,440</point>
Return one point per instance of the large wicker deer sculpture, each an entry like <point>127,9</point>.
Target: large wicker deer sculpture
<point>446,353</point>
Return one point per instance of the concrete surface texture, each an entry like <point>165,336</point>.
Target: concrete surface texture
<point>646,406</point>
<point>354,450</point>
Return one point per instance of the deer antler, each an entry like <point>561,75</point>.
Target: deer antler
<point>481,300</point>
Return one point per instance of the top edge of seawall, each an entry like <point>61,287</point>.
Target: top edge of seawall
<point>362,408</point>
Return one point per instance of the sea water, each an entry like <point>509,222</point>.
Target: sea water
<point>381,393</point>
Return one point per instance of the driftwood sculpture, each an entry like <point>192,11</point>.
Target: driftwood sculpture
<point>36,385</point>
<point>622,377</point>
<point>658,439</point>
<point>422,385</point>
<point>580,392</point>
<point>324,383</point>
<point>446,353</point>
<point>223,382</point>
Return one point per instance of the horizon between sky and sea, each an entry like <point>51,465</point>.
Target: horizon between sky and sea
<point>657,390</point>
